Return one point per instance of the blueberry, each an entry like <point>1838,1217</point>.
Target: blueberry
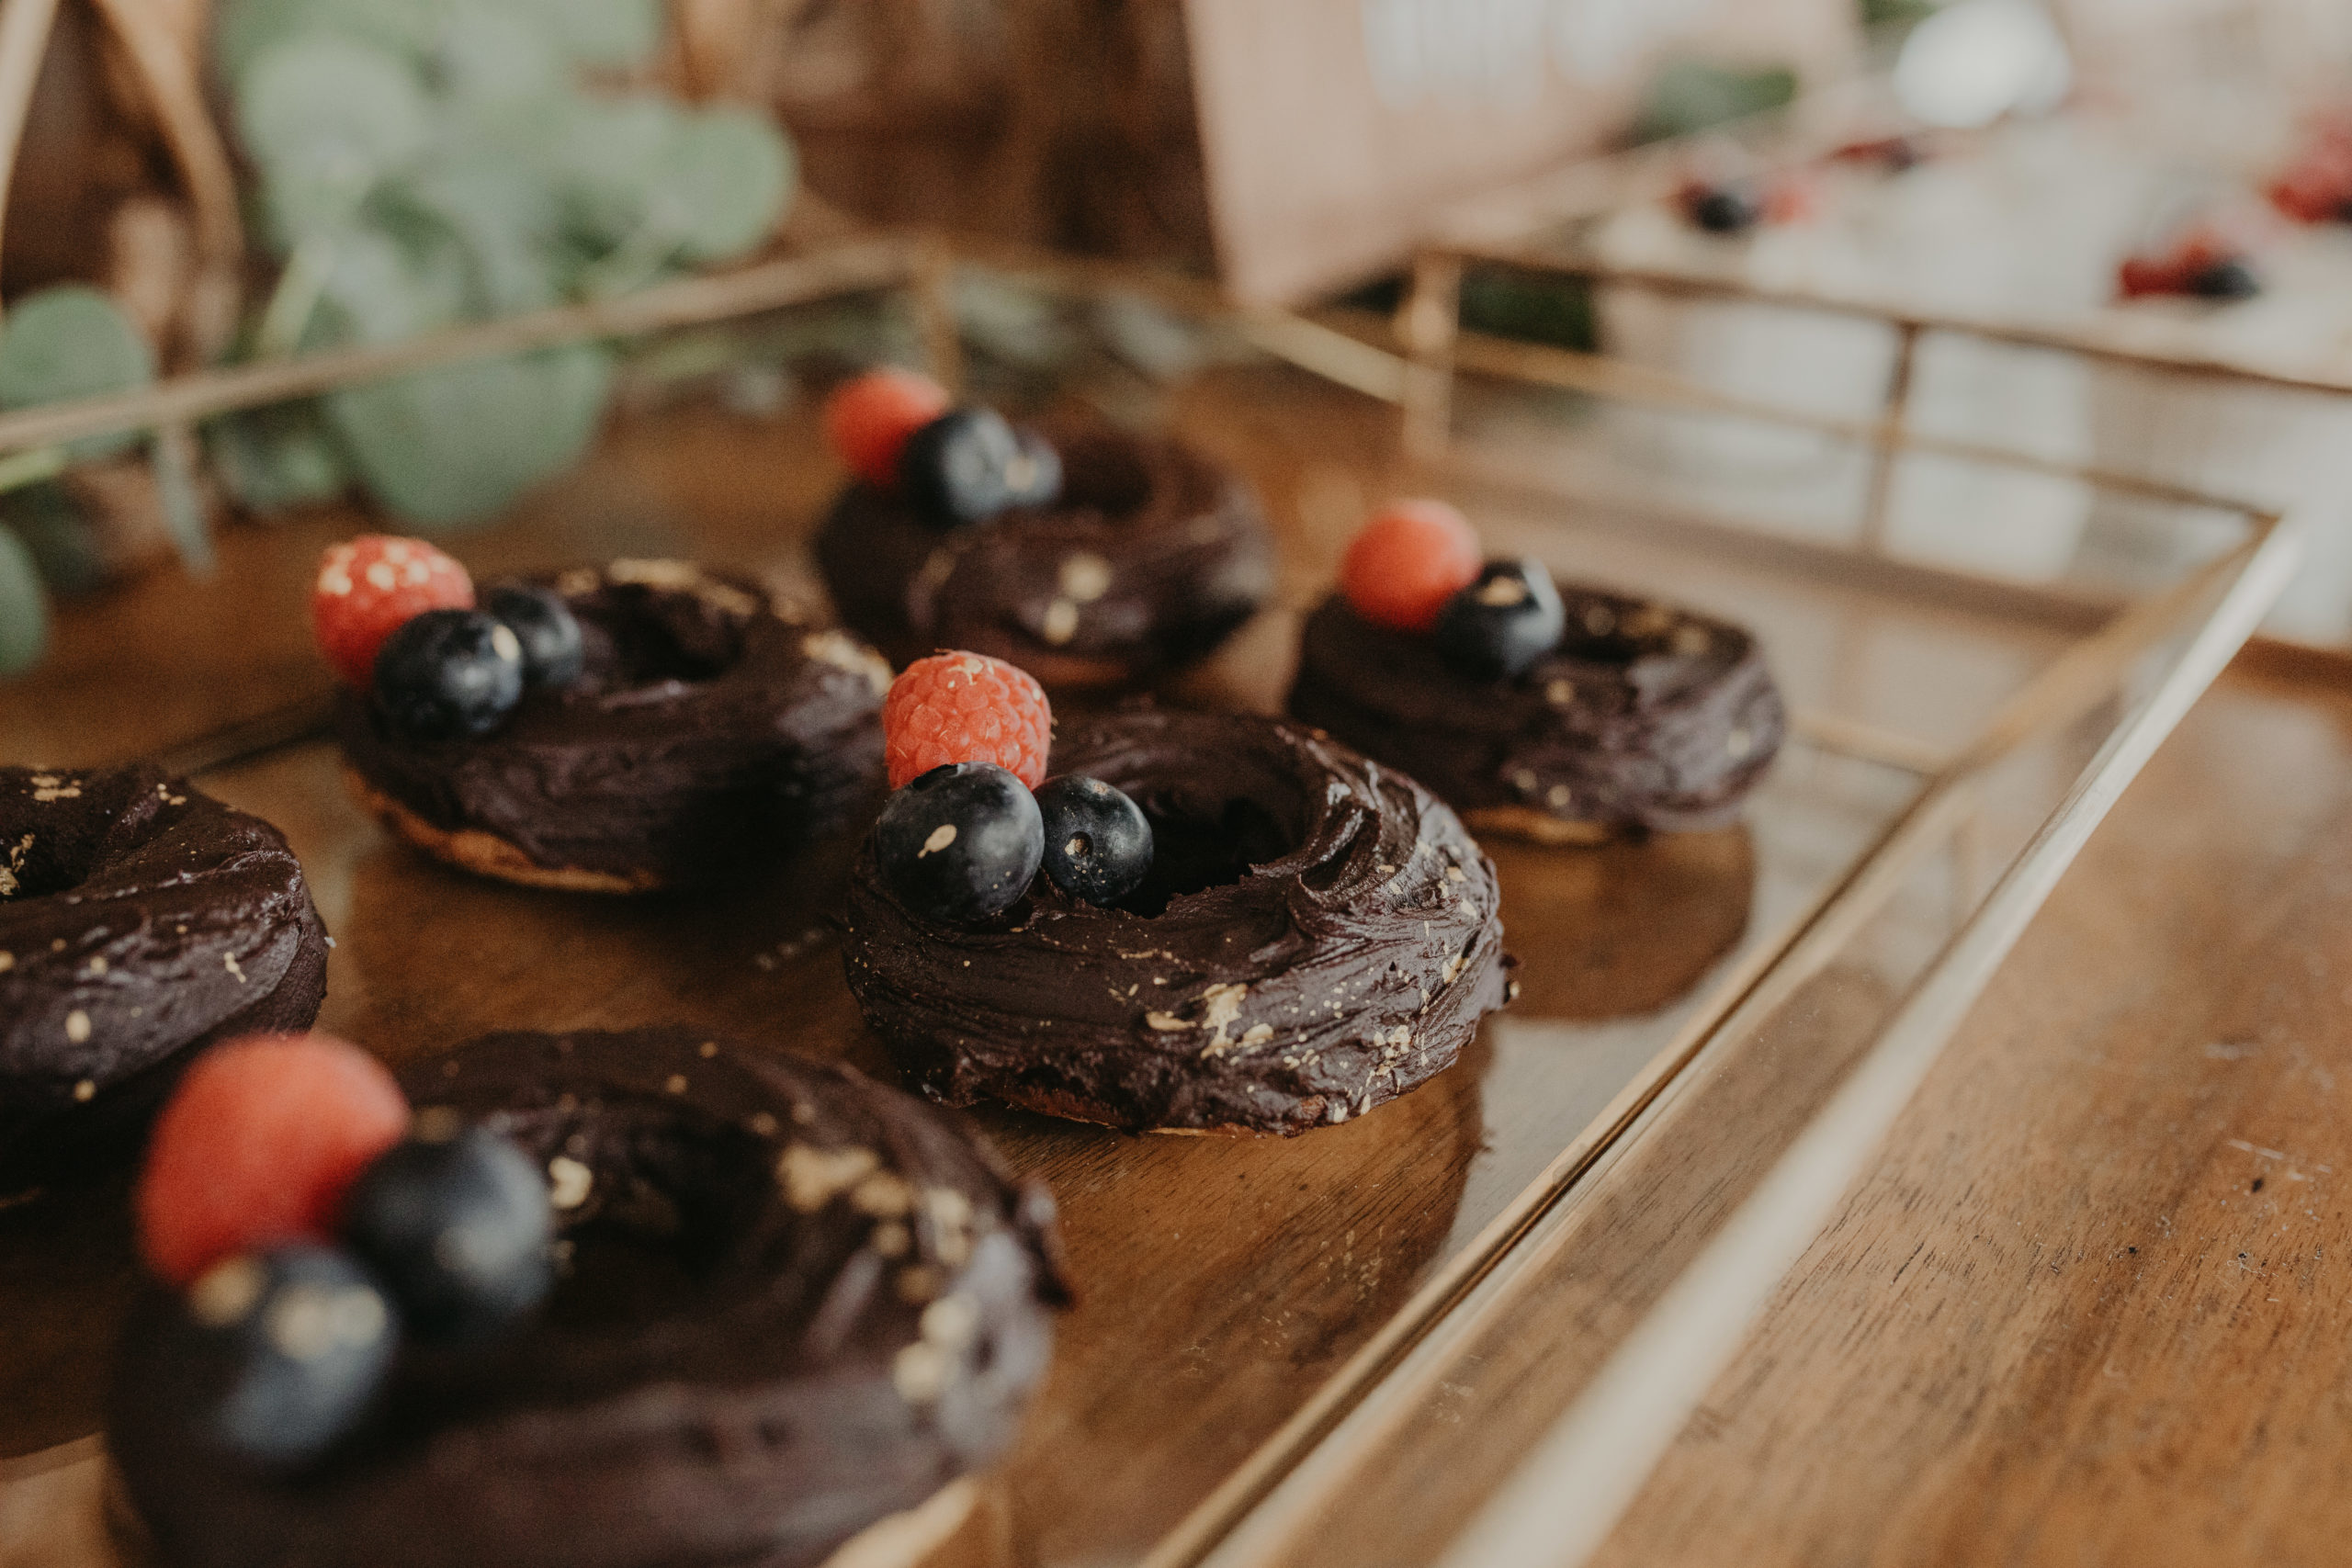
<point>2230,279</point>
<point>454,1221</point>
<point>1724,209</point>
<point>961,842</point>
<point>271,1356</point>
<point>1504,621</point>
<point>546,628</point>
<point>1098,842</point>
<point>449,673</point>
<point>968,465</point>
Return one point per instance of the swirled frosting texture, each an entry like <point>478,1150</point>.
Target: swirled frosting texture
<point>708,735</point>
<point>799,1302</point>
<point>1645,716</point>
<point>138,917</point>
<point>1151,558</point>
<point>1329,939</point>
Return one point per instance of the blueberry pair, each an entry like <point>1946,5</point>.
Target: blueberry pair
<point>447,674</point>
<point>276,1354</point>
<point>962,843</point>
<point>1728,209</point>
<point>968,465</point>
<point>1503,623</point>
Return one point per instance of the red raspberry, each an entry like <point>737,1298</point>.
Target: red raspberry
<point>966,707</point>
<point>868,420</point>
<point>1793,198</point>
<point>2138,276</point>
<point>258,1144</point>
<point>372,586</point>
<point>1408,560</point>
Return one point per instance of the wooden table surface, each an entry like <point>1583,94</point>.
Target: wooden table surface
<point>2091,1307</point>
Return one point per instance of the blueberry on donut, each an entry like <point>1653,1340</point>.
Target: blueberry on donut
<point>1091,559</point>
<point>140,919</point>
<point>641,726</point>
<point>1234,924</point>
<point>606,1301</point>
<point>1560,713</point>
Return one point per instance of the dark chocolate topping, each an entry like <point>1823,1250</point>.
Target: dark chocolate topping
<point>1643,718</point>
<point>1319,935</point>
<point>1152,557</point>
<point>797,1302</point>
<point>706,737</point>
<point>139,917</point>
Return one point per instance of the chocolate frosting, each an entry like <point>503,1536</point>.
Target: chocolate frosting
<point>707,737</point>
<point>1151,558</point>
<point>140,919</point>
<point>1645,716</point>
<point>1317,936</point>
<point>797,1302</point>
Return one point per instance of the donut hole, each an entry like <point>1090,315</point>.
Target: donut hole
<point>653,638</point>
<point>1105,476</point>
<point>1197,846</point>
<point>670,1197</point>
<point>1608,648</point>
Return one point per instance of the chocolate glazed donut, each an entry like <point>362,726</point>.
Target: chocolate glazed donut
<point>796,1303</point>
<point>1317,935</point>
<point>140,920</point>
<point>1152,557</point>
<point>1643,718</point>
<point>709,736</point>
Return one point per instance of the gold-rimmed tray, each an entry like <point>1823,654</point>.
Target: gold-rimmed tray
<point>1241,1297</point>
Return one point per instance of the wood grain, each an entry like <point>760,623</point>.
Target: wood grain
<point>2091,1308</point>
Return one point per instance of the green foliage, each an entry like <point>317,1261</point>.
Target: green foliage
<point>67,343</point>
<point>1892,13</point>
<point>608,34</point>
<point>724,177</point>
<point>24,613</point>
<point>277,458</point>
<point>64,545</point>
<point>424,163</point>
<point>327,119</point>
<point>1690,95</point>
<point>431,446</point>
<point>1533,307</point>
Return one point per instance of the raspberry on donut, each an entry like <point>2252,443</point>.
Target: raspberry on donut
<point>258,1144</point>
<point>848,1311</point>
<point>966,707</point>
<point>1407,561</point>
<point>370,587</point>
<point>868,419</point>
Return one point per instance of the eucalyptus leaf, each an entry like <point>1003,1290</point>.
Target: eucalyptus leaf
<point>491,54</point>
<point>275,459</point>
<point>506,221</point>
<point>608,34</point>
<point>451,447</point>
<point>1687,95</point>
<point>24,610</point>
<point>725,177</point>
<point>248,28</point>
<point>327,118</point>
<point>385,284</point>
<point>71,342</point>
<point>614,154</point>
<point>64,547</point>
